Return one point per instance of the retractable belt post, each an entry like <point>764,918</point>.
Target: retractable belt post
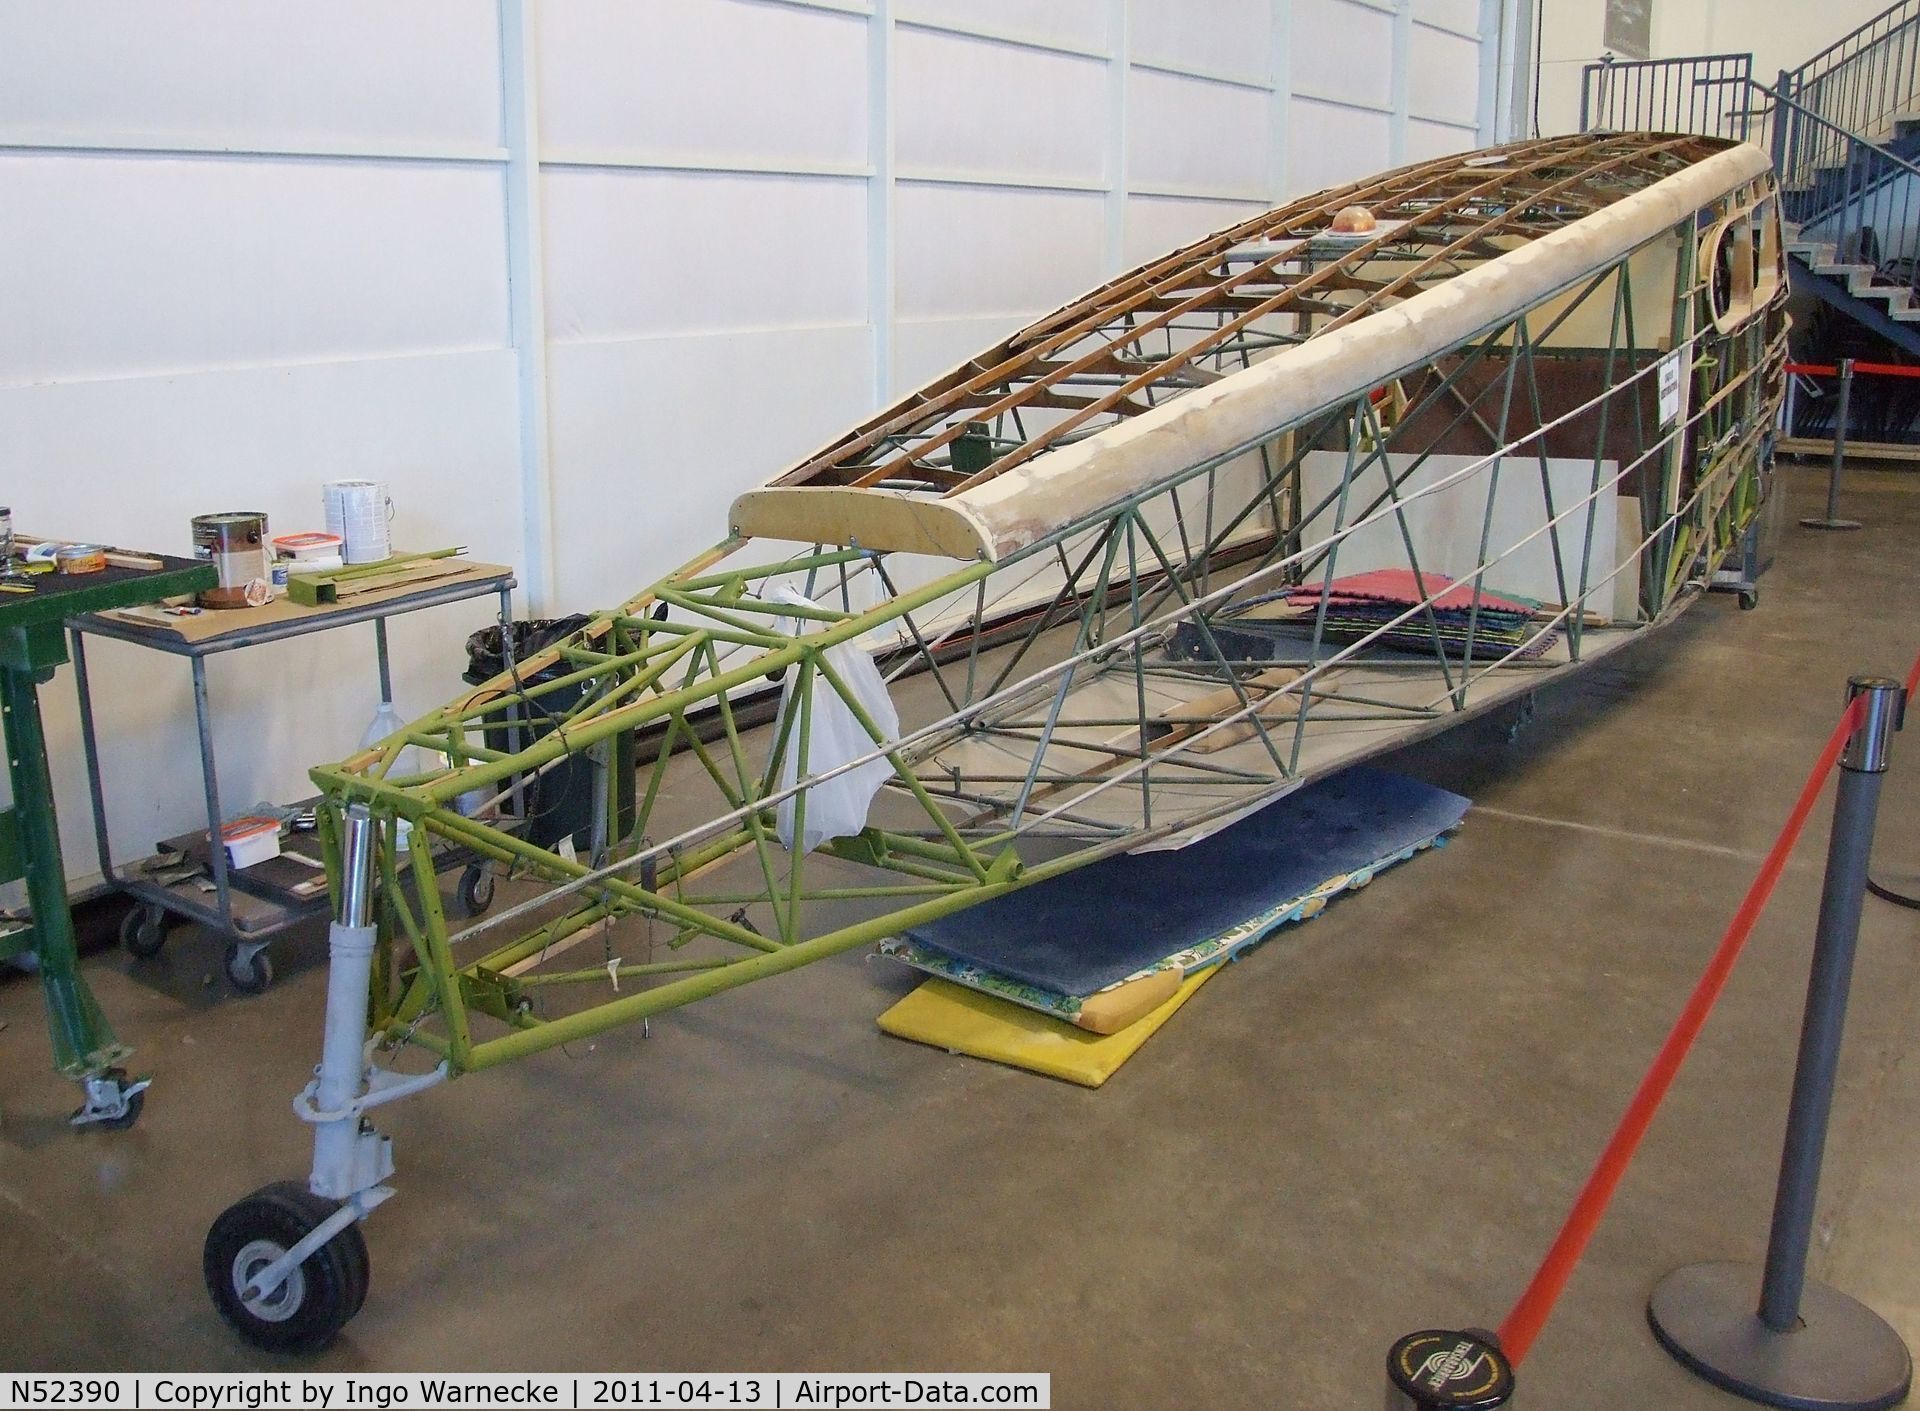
<point>1806,1345</point>
<point>1832,520</point>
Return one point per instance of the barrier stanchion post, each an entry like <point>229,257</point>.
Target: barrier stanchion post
<point>1806,1345</point>
<point>1441,1370</point>
<point>1832,520</point>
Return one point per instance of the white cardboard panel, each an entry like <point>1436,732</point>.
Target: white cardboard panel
<point>970,105</point>
<point>1330,146</point>
<point>131,461</point>
<point>1082,23</point>
<point>636,253</point>
<point>650,443</point>
<point>1156,225</point>
<point>1446,525</point>
<point>714,79</point>
<point>1443,79</point>
<point>267,72</point>
<point>981,250</point>
<point>1342,50</point>
<point>1232,37</point>
<point>1191,133</point>
<point>117,266</point>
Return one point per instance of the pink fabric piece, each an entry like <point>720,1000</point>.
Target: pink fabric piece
<point>1398,585</point>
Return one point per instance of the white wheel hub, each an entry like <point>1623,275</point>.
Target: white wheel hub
<point>283,1302</point>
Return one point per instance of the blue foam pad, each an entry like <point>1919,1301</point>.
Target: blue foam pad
<point>1095,926</point>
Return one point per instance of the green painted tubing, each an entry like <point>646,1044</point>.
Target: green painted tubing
<point>600,972</point>
<point>641,712</point>
<point>713,610</point>
<point>756,605</point>
<point>906,775</point>
<point>798,565</point>
<point>573,871</point>
<point>803,693</point>
<point>433,927</point>
<point>543,937</point>
<point>602,1017</point>
<point>646,657</point>
<point>925,889</point>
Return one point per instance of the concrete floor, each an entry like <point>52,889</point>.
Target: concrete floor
<point>1372,1124</point>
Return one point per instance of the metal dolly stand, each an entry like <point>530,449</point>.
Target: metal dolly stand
<point>249,913</point>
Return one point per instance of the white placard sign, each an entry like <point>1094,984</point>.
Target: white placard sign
<point>1669,376</point>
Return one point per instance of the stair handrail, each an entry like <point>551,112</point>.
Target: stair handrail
<point>1883,166</point>
<point>1807,69</point>
<point>1847,134</point>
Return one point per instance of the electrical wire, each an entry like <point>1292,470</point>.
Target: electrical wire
<point>1889,894</point>
<point>1539,18</point>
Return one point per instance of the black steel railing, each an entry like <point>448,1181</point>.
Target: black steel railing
<point>1703,93</point>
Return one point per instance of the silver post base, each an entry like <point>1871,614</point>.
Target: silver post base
<point>1814,522</point>
<point>1842,1357</point>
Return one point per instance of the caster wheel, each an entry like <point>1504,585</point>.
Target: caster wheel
<point>308,1310</point>
<point>475,892</point>
<point>1749,600</point>
<point>126,1119</point>
<point>143,931</point>
<point>248,974</point>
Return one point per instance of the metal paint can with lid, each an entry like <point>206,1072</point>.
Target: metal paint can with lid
<point>235,543</point>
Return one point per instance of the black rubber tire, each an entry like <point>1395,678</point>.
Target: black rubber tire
<point>1749,599</point>
<point>143,931</point>
<point>332,1283</point>
<point>251,976</point>
<point>474,894</point>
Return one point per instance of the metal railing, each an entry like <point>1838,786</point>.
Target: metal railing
<point>1856,90</point>
<point>1843,191</point>
<point>1839,189</point>
<point>1703,93</point>
<point>1865,80</point>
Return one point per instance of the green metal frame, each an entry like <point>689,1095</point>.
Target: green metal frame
<point>32,646</point>
<point>697,861</point>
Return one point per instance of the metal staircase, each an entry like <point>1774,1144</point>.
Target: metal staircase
<point>1844,131</point>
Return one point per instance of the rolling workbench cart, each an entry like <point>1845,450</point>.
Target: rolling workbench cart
<point>31,647</point>
<point>249,907</point>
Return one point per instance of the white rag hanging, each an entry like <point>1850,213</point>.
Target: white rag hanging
<point>836,807</point>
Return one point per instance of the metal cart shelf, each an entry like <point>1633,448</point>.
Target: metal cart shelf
<point>248,913</point>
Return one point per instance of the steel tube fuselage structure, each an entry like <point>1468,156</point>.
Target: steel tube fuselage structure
<point>1575,342</point>
<point>1100,566</point>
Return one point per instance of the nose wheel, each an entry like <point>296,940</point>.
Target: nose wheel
<point>308,1309</point>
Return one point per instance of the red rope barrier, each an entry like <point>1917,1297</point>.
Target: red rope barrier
<point>1535,1306</point>
<point>1877,369</point>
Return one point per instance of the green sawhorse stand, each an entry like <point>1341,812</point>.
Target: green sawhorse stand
<point>32,646</point>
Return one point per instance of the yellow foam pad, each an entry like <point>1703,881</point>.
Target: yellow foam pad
<point>961,1020</point>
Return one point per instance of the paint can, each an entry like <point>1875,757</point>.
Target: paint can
<point>308,545</point>
<point>236,545</point>
<point>80,558</point>
<point>358,511</point>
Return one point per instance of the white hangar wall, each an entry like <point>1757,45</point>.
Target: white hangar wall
<point>568,274</point>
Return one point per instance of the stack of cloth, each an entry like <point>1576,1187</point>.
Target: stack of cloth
<point>1071,976</point>
<point>1362,603</point>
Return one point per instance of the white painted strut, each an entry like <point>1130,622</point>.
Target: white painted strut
<point>338,1151</point>
<point>349,1157</point>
